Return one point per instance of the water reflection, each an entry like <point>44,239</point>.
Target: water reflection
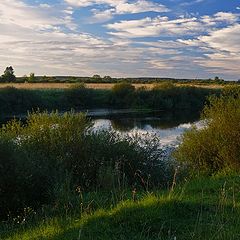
<point>167,126</point>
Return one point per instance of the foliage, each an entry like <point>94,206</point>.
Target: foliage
<point>8,75</point>
<point>50,149</point>
<point>215,147</point>
<point>18,100</point>
<point>122,94</point>
<point>31,77</point>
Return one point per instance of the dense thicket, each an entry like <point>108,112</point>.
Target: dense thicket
<point>216,147</point>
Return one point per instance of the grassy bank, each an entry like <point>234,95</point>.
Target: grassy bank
<point>202,208</point>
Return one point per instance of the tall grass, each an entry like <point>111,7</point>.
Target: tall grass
<point>204,208</point>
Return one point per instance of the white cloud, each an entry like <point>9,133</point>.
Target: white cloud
<point>226,39</point>
<point>18,13</point>
<point>102,16</point>
<point>159,26</point>
<point>163,26</point>
<point>46,40</point>
<point>118,7</point>
<point>44,5</point>
<point>186,4</point>
<point>222,50</point>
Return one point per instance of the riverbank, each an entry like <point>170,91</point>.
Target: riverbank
<point>122,96</point>
<point>202,208</point>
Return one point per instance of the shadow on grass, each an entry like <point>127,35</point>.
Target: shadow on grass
<point>158,220</point>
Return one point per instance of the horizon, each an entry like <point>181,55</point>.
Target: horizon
<point>179,39</point>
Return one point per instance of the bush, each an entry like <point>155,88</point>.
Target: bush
<point>122,94</point>
<point>216,147</point>
<point>8,176</point>
<point>52,150</point>
<point>19,100</point>
<point>79,96</point>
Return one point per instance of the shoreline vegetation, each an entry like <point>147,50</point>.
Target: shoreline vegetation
<point>164,96</point>
<point>99,185</point>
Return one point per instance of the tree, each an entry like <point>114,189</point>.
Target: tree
<point>31,77</point>
<point>96,78</point>
<point>107,79</point>
<point>8,75</point>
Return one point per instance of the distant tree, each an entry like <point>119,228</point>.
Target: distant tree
<point>31,77</point>
<point>96,77</point>
<point>8,75</point>
<point>44,78</point>
<point>107,78</point>
<point>25,78</point>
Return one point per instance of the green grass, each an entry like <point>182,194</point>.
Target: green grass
<point>203,208</point>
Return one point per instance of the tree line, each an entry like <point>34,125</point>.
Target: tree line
<point>9,76</point>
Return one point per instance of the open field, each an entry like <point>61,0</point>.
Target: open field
<point>92,85</point>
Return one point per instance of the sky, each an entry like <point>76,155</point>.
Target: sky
<point>121,38</point>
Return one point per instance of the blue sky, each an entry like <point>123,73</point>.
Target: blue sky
<point>121,38</point>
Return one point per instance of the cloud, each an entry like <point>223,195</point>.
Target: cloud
<point>19,14</point>
<point>118,7</point>
<point>163,26</point>
<point>44,5</point>
<point>47,40</point>
<point>153,27</point>
<point>186,4</point>
<point>226,39</point>
<point>33,38</point>
<point>221,50</point>
<point>102,16</point>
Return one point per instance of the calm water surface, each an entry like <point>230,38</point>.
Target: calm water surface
<point>168,126</point>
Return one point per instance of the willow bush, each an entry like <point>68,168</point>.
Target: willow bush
<point>215,147</point>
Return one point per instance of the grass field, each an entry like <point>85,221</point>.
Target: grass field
<point>91,85</point>
<point>202,209</point>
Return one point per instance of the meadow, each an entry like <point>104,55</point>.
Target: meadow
<point>53,85</point>
<point>61,180</point>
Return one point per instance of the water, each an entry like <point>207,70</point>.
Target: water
<point>168,126</point>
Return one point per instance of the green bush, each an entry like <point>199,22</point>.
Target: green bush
<point>216,147</point>
<point>19,100</point>
<point>122,94</point>
<point>50,151</point>
<point>8,176</point>
<point>79,96</point>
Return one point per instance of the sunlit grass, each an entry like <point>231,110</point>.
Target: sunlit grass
<point>204,208</point>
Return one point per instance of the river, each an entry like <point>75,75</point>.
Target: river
<point>167,126</point>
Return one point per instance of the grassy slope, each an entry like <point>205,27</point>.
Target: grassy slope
<point>206,208</point>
